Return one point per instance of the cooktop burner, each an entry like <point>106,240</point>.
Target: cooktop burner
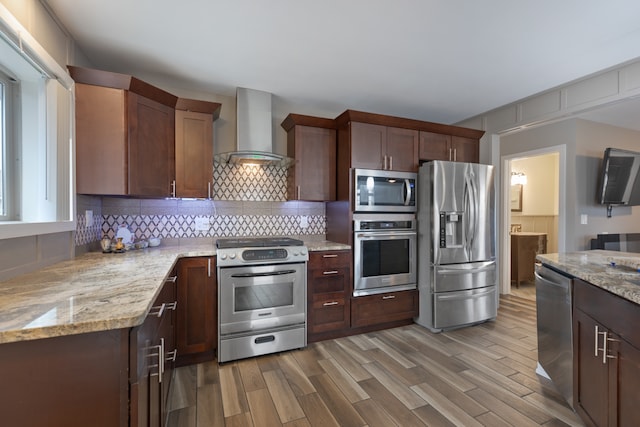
<point>257,242</point>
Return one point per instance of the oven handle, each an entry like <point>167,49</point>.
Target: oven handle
<point>269,273</point>
<point>376,235</point>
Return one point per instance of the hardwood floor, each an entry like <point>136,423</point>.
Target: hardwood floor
<point>476,376</point>
<point>525,290</point>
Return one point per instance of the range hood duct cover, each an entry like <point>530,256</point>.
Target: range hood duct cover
<point>254,132</point>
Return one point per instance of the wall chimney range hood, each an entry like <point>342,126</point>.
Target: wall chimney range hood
<point>254,132</point>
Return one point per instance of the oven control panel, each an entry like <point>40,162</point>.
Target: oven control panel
<point>251,256</point>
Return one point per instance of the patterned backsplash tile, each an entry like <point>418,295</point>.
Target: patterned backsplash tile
<point>248,201</point>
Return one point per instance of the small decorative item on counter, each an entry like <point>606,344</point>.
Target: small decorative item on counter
<point>119,245</point>
<point>105,243</point>
<point>154,241</point>
<point>142,244</point>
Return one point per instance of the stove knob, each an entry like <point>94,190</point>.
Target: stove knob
<point>223,256</point>
<point>303,252</point>
<point>232,255</point>
<point>295,253</point>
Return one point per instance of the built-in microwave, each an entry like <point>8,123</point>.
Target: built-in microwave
<point>384,191</point>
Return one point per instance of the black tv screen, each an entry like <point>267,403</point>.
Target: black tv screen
<point>620,180</point>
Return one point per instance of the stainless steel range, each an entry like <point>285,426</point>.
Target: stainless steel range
<point>262,288</point>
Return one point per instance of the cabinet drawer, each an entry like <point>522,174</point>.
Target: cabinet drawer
<point>328,280</point>
<point>329,259</point>
<point>383,308</point>
<point>328,313</point>
<point>612,311</point>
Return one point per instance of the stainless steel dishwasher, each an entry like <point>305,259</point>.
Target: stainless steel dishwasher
<point>555,352</point>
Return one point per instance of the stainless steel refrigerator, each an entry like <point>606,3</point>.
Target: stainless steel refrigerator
<point>457,274</point>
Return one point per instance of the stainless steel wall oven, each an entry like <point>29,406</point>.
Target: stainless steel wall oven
<point>384,253</point>
<point>261,296</point>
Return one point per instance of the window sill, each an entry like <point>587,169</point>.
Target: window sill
<point>13,229</point>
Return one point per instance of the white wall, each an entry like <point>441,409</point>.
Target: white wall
<point>540,193</point>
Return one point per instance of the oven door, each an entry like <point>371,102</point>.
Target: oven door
<point>384,262</point>
<point>253,298</point>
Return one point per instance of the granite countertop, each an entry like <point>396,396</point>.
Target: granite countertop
<point>94,292</point>
<point>616,272</point>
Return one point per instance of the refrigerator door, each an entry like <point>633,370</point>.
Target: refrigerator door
<point>453,309</point>
<point>462,219</point>
<point>458,277</point>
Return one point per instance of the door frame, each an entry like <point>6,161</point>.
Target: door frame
<point>505,211</point>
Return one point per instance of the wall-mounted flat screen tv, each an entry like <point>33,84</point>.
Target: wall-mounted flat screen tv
<point>620,178</point>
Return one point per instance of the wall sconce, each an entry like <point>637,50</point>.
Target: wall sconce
<point>518,178</point>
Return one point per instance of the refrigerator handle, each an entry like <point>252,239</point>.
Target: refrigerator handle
<point>473,220</point>
<point>407,192</point>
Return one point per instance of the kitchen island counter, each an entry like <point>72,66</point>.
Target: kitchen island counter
<point>595,267</point>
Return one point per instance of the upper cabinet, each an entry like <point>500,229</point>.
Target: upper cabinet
<point>126,134</point>
<point>383,147</point>
<point>437,146</point>
<point>311,142</point>
<point>194,147</point>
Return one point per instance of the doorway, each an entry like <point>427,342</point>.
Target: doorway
<point>533,215</point>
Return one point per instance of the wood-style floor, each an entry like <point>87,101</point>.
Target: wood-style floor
<point>408,376</point>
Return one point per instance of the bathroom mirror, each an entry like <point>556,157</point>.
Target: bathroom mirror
<point>516,198</point>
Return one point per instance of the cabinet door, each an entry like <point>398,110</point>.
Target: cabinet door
<point>591,376</point>
<point>101,140</point>
<point>196,324</point>
<point>151,147</point>
<point>194,154</point>
<point>402,149</point>
<point>368,145</point>
<point>628,379</point>
<point>465,149</point>
<point>313,176</point>
<point>434,146</point>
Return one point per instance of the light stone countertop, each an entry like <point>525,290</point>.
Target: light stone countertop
<point>596,267</point>
<point>94,292</point>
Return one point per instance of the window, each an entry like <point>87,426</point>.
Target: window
<point>36,156</point>
<point>6,148</point>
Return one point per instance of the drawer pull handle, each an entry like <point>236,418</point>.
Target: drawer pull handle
<point>330,256</point>
<point>388,297</point>
<point>172,306</point>
<point>172,279</point>
<point>157,310</point>
<point>330,272</point>
<point>326,304</point>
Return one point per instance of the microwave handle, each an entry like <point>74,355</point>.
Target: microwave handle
<point>407,192</point>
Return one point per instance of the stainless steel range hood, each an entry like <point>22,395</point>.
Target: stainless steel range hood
<point>254,132</point>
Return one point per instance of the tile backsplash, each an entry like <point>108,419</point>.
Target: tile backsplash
<point>248,201</point>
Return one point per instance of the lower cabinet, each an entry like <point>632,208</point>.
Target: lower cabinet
<point>384,308</point>
<point>606,357</point>
<point>197,323</point>
<point>153,354</point>
<point>328,293</point>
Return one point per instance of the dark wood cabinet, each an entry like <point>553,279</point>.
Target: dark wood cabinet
<point>328,293</point>
<point>151,147</point>
<point>524,248</point>
<point>197,323</point>
<point>125,132</point>
<point>437,146</point>
<point>194,147</point>
<point>311,142</point>
<point>153,352</point>
<point>383,147</point>
<point>384,308</point>
<point>118,377</point>
<point>606,359</point>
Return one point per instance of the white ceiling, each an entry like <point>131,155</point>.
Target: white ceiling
<point>435,60</point>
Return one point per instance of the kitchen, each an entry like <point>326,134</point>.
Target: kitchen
<point>176,208</point>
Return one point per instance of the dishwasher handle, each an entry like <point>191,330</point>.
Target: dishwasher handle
<point>564,283</point>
